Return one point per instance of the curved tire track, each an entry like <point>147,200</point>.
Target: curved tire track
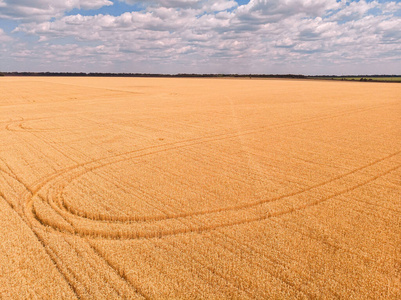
<point>60,179</point>
<point>59,206</point>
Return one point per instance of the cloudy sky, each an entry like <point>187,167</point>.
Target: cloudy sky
<point>201,36</point>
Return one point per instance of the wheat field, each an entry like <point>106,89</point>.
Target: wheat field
<point>132,188</point>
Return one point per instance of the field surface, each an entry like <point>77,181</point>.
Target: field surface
<point>199,189</point>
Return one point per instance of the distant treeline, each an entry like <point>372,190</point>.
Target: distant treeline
<point>353,76</point>
<point>381,78</point>
<point>65,74</point>
<point>372,78</point>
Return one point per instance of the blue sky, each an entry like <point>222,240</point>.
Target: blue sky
<point>119,8</point>
<point>201,36</point>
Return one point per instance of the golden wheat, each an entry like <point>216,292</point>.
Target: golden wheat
<point>199,188</point>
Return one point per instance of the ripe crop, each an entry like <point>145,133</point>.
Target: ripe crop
<point>199,188</point>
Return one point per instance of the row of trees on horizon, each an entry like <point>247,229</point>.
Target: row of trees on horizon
<point>94,74</point>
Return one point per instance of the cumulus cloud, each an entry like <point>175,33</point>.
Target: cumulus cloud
<point>205,5</point>
<point>167,3</point>
<point>290,7</point>
<point>4,37</point>
<point>40,10</point>
<point>263,36</point>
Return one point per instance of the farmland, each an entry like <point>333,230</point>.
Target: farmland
<point>199,188</point>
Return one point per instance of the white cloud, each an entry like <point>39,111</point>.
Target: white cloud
<point>167,3</point>
<point>288,7</point>
<point>4,37</point>
<point>263,36</point>
<point>355,10</point>
<point>202,5</point>
<point>40,10</point>
<point>391,7</point>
